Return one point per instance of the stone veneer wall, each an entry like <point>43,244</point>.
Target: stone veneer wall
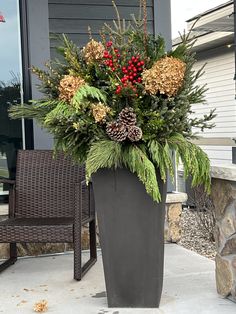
<point>224,198</point>
<point>174,203</point>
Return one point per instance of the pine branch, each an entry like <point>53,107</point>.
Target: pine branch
<point>103,154</point>
<point>137,162</point>
<point>36,110</point>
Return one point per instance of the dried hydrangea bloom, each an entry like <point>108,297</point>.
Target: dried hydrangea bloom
<point>68,87</point>
<point>165,76</point>
<point>100,112</point>
<point>93,51</point>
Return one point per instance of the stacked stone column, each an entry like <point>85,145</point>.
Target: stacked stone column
<point>224,198</point>
<point>173,216</point>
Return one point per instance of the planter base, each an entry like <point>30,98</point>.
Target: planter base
<point>131,228</point>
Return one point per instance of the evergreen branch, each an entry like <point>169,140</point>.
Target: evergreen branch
<point>103,154</point>
<point>36,110</point>
<point>109,154</point>
<point>61,110</point>
<point>137,162</point>
<point>195,161</point>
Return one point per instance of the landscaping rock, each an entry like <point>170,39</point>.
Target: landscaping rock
<point>229,246</point>
<point>221,193</point>
<point>194,238</point>
<point>228,221</point>
<point>224,275</point>
<point>173,217</point>
<point>174,203</point>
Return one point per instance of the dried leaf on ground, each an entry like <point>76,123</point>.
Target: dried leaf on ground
<point>41,306</point>
<point>21,302</point>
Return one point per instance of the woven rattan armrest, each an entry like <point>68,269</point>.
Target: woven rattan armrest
<point>7,181</point>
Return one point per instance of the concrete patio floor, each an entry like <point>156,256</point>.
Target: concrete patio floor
<point>189,287</point>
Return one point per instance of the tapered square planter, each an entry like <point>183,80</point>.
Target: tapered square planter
<point>131,228</point>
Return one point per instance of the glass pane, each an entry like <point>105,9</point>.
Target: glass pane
<point>10,88</point>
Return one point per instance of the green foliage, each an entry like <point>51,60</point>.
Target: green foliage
<point>137,162</point>
<point>103,154</point>
<point>110,154</point>
<point>79,125</point>
<point>195,162</point>
<point>37,109</point>
<point>87,92</point>
<point>144,162</point>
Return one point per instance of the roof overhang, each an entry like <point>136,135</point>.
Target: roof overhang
<point>219,19</point>
<point>212,28</point>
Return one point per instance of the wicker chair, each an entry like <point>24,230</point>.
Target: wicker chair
<point>49,202</point>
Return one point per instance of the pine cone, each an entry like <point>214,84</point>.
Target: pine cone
<point>127,116</point>
<point>116,131</point>
<point>135,134</point>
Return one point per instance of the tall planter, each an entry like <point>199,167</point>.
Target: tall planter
<point>131,228</point>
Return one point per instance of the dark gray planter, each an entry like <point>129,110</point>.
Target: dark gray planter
<point>131,228</point>
<point>233,155</point>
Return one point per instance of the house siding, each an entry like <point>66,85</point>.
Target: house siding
<point>219,77</point>
<point>73,17</point>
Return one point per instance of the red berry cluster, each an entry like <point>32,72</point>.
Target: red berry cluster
<point>111,56</point>
<point>131,73</point>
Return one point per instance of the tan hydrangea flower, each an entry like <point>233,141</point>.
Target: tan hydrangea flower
<point>93,51</point>
<point>100,112</point>
<point>165,76</point>
<point>68,87</point>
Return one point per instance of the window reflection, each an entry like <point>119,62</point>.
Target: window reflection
<point>10,88</point>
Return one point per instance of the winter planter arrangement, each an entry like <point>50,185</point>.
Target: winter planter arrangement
<point>120,106</point>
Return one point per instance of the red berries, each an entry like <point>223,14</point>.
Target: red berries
<point>132,72</point>
<point>109,44</point>
<point>129,74</point>
<point>118,89</point>
<point>112,55</point>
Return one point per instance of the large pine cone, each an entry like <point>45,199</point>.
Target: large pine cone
<point>135,134</point>
<point>116,131</point>
<point>127,116</point>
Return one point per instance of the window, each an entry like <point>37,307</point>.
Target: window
<point>11,131</point>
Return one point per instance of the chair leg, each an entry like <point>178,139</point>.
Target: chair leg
<point>92,239</point>
<point>80,271</point>
<point>77,254</point>
<point>13,251</point>
<point>12,259</point>
<point>93,248</point>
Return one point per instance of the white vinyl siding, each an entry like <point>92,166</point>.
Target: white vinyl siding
<point>219,77</point>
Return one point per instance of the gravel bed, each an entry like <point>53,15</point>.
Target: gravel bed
<point>193,238</point>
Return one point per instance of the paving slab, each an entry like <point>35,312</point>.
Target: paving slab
<point>189,287</point>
